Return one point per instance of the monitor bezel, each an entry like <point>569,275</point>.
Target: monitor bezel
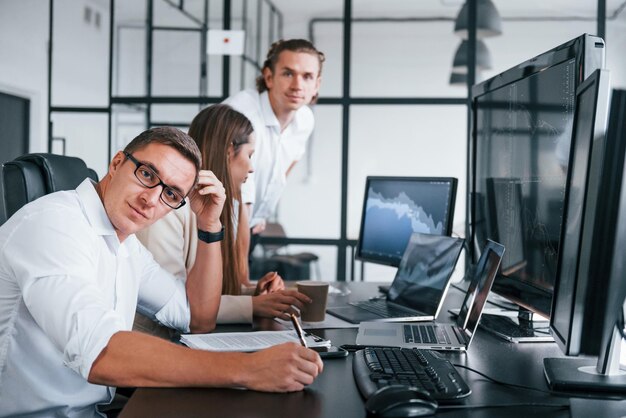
<point>388,261</point>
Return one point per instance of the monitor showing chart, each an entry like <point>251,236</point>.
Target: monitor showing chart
<point>396,207</point>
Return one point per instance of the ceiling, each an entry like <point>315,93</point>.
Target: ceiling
<point>446,8</point>
<point>299,12</point>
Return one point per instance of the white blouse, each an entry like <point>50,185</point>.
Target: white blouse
<point>173,241</point>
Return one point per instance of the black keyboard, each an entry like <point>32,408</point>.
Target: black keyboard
<point>374,368</point>
<point>382,308</point>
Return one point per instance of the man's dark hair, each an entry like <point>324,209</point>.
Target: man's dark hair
<point>171,137</point>
<point>293,45</point>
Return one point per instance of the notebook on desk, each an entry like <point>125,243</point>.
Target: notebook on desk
<point>433,335</point>
<point>420,285</point>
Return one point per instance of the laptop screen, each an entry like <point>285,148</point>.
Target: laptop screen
<point>425,270</point>
<point>479,287</point>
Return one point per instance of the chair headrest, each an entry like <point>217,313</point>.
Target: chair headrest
<point>60,172</point>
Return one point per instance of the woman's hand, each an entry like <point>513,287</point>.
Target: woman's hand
<point>279,304</point>
<point>269,283</point>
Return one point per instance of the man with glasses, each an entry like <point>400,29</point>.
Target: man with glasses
<point>72,275</point>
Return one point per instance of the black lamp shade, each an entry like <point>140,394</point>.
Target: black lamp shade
<point>488,21</point>
<point>483,57</point>
<point>461,78</point>
<point>458,78</point>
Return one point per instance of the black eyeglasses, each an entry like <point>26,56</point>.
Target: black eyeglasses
<point>150,179</point>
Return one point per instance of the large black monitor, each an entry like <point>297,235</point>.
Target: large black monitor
<point>522,123</point>
<point>587,311</point>
<point>395,207</point>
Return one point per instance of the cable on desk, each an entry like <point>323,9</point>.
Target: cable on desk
<point>499,382</point>
<point>552,393</point>
<point>444,408</point>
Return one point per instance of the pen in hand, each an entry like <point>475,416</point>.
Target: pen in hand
<point>296,326</point>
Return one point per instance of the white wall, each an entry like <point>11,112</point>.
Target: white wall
<point>616,45</point>
<point>80,76</point>
<point>80,71</point>
<point>23,60</point>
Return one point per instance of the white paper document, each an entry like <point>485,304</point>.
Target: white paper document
<point>248,341</point>
<point>329,321</point>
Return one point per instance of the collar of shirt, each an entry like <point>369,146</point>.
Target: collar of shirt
<point>95,213</point>
<point>271,121</point>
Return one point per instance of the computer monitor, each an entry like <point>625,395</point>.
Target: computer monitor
<point>395,207</point>
<point>522,123</point>
<point>588,306</point>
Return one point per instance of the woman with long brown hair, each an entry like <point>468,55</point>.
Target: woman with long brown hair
<point>226,140</point>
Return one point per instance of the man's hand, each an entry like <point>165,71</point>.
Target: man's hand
<point>286,367</point>
<point>269,283</point>
<point>207,201</point>
<point>279,304</point>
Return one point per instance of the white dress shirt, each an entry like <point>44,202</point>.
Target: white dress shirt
<point>275,150</point>
<point>173,241</point>
<point>66,286</point>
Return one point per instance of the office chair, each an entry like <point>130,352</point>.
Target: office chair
<point>295,266</point>
<point>33,175</point>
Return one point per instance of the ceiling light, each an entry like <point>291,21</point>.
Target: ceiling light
<point>483,57</point>
<point>458,78</point>
<point>461,78</point>
<point>488,21</point>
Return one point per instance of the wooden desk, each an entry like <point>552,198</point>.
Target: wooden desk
<point>334,393</point>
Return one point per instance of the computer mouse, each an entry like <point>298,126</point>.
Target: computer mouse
<point>397,401</point>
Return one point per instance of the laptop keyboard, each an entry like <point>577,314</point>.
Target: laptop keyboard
<point>430,334</point>
<point>382,308</point>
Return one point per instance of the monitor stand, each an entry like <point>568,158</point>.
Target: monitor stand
<point>521,329</point>
<point>589,375</point>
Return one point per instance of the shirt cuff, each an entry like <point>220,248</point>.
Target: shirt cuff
<point>176,313</point>
<point>235,310</point>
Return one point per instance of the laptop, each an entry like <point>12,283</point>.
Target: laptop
<point>419,287</point>
<point>436,336</point>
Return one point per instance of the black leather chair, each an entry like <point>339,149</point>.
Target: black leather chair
<point>33,175</point>
<point>290,266</point>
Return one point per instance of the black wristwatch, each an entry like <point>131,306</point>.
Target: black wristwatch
<point>210,237</point>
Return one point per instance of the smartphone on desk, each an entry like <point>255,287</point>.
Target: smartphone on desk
<point>330,352</point>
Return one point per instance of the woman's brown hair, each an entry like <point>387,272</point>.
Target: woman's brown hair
<point>215,129</point>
